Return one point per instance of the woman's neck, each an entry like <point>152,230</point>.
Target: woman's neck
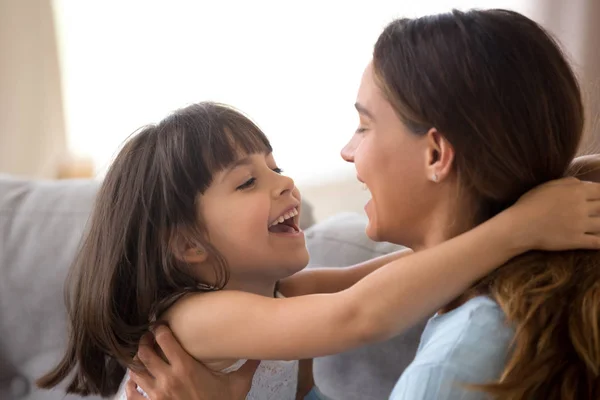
<point>444,225</point>
<point>441,228</point>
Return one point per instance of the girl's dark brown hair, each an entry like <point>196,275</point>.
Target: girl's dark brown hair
<point>127,270</point>
<point>498,87</point>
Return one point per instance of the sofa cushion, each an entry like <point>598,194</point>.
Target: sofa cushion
<point>368,373</point>
<point>40,229</point>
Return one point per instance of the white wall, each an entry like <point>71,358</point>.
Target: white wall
<point>32,139</point>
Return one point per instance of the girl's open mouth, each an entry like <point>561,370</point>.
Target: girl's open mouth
<point>286,223</point>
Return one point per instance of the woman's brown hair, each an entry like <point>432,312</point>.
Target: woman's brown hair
<point>499,89</point>
<point>127,269</point>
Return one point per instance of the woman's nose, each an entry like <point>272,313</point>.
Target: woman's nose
<point>347,152</point>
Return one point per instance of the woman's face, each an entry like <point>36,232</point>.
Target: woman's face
<point>392,162</point>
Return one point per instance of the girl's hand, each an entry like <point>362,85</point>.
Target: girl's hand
<point>586,168</point>
<point>559,215</point>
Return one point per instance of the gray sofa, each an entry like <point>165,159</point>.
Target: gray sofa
<point>41,223</point>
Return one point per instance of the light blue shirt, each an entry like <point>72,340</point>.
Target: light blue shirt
<point>466,345</point>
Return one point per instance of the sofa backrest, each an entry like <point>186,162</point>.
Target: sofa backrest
<point>41,223</point>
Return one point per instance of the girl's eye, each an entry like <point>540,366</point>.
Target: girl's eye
<point>278,170</point>
<point>246,185</point>
<point>360,130</point>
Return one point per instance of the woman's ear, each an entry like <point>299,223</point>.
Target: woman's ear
<point>440,156</point>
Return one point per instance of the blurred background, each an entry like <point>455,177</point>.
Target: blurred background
<point>77,77</point>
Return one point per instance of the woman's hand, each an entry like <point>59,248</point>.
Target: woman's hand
<point>184,378</point>
<point>560,215</point>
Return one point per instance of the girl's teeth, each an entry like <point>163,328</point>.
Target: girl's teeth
<point>285,216</point>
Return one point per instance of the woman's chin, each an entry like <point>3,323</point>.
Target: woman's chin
<point>371,231</point>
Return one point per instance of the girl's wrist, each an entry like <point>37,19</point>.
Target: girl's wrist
<point>511,234</point>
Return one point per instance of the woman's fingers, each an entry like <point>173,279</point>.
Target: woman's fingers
<point>171,348</point>
<point>147,355</point>
<point>131,391</point>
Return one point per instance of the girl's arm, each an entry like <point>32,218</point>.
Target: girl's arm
<point>332,280</point>
<point>234,325</point>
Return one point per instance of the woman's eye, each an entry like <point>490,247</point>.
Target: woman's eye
<point>246,185</point>
<point>360,130</point>
<point>278,170</point>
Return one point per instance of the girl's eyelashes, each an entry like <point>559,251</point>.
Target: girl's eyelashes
<point>250,182</point>
<point>246,185</point>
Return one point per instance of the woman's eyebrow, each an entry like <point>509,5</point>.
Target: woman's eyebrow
<point>363,111</point>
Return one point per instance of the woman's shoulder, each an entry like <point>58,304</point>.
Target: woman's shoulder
<point>469,344</point>
<point>469,334</point>
<point>480,312</point>
<point>473,338</point>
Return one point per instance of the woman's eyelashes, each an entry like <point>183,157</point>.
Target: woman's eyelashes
<point>252,181</point>
<point>360,130</point>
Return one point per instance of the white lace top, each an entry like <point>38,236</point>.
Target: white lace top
<point>273,380</point>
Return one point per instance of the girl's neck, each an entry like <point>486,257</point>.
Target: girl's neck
<point>261,288</point>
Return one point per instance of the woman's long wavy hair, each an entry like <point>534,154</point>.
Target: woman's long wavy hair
<point>498,87</point>
<point>128,269</point>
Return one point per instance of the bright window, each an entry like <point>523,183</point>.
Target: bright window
<point>293,67</point>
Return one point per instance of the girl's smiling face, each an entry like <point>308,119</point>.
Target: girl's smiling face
<point>251,213</point>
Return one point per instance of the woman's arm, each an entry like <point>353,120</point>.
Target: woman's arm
<point>332,280</point>
<point>233,325</point>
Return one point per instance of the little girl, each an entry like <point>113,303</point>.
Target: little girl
<point>195,226</point>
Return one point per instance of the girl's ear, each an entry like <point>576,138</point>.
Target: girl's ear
<point>187,251</point>
<point>194,255</point>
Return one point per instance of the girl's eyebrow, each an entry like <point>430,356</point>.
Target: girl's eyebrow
<point>246,161</point>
